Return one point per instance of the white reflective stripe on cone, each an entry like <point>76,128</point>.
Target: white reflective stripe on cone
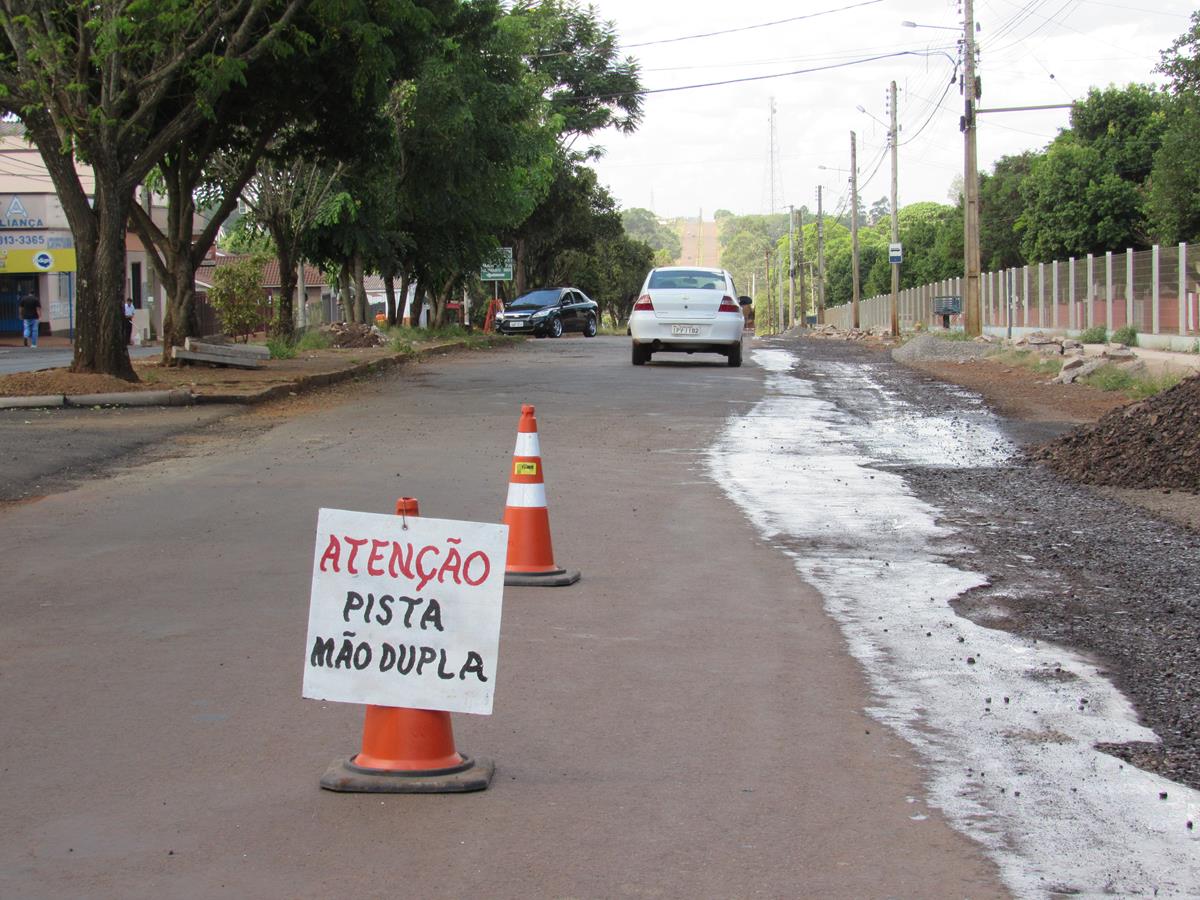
<point>527,444</point>
<point>527,495</point>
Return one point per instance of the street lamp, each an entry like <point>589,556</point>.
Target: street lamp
<point>920,25</point>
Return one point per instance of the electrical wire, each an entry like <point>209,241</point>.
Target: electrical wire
<point>692,37</point>
<point>689,87</point>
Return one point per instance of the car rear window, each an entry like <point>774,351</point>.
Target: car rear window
<point>692,279</point>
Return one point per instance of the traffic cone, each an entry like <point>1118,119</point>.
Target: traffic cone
<point>408,751</point>
<point>530,555</point>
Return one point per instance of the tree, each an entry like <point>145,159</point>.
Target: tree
<point>1087,192</point>
<point>1000,206</point>
<point>1174,202</point>
<point>588,87</point>
<point>611,273</point>
<point>117,86</point>
<point>642,225</point>
<point>475,148</point>
<point>325,85</point>
<point>287,199</point>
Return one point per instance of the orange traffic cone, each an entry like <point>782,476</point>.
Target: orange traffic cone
<point>530,555</point>
<point>408,751</point>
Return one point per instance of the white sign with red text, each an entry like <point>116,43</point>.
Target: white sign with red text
<point>405,611</point>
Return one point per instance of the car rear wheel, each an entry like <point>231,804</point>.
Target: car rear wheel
<point>589,329</point>
<point>556,328</point>
<point>735,354</point>
<point>641,355</point>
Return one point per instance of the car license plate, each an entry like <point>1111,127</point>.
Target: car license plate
<point>685,329</point>
<point>516,324</point>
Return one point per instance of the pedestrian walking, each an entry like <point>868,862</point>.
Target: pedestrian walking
<point>129,308</point>
<point>31,312</point>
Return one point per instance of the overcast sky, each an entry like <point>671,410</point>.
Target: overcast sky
<point>709,148</point>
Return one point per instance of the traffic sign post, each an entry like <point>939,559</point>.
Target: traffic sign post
<point>500,268</point>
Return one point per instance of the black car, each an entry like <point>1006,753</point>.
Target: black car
<point>549,312</point>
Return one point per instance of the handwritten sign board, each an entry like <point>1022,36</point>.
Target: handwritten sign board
<point>405,611</point>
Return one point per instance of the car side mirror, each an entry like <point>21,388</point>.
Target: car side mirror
<point>745,301</point>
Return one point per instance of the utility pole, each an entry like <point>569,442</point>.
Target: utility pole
<point>894,309</point>
<point>820,260</point>
<point>791,270</point>
<point>800,266</point>
<point>974,317</point>
<point>854,285</point>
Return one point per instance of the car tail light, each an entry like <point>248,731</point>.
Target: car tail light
<point>644,304</point>
<point>728,304</point>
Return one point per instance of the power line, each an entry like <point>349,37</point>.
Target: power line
<point>692,37</point>
<point>688,87</point>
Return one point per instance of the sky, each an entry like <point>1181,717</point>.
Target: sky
<point>708,148</point>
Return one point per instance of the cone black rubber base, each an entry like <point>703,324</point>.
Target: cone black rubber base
<point>557,578</point>
<point>344,776</point>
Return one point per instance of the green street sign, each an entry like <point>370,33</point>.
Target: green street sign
<point>500,268</point>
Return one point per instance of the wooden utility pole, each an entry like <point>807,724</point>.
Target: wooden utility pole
<point>791,270</point>
<point>854,280</point>
<point>820,260</point>
<point>800,269</point>
<point>974,316</point>
<point>895,304</point>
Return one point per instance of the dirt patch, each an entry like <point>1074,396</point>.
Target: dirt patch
<point>60,381</point>
<point>1024,394</point>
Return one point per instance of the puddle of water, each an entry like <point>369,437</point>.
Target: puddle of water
<point>1006,726</point>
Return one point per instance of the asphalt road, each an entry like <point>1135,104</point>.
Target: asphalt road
<point>684,722</point>
<point>26,359</point>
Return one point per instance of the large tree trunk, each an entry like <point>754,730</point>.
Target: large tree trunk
<point>402,301</point>
<point>347,297</point>
<point>99,232</point>
<point>519,267</point>
<point>285,325</point>
<point>389,290</point>
<point>361,307</point>
<point>100,331</point>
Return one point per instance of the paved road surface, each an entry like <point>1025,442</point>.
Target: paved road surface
<point>28,359</point>
<point>684,722</point>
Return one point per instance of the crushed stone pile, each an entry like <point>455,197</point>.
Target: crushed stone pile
<point>1151,444</point>
<point>930,347</point>
<point>346,334</point>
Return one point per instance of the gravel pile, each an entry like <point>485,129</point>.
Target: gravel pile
<point>1151,444</point>
<point>932,347</point>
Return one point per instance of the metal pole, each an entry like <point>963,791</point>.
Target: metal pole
<point>854,285</point>
<point>970,178</point>
<point>895,311</point>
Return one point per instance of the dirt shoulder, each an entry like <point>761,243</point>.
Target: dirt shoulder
<point>1043,410</point>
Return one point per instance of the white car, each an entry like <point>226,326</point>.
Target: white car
<point>688,309</point>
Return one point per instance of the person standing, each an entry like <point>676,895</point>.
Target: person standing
<point>31,312</point>
<point>128,321</point>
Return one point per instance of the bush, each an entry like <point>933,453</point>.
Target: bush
<point>236,295</point>
<point>314,340</point>
<point>1097,334</point>
<point>1126,335</point>
<point>281,348</point>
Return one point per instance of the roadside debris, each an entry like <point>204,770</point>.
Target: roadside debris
<point>350,335</point>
